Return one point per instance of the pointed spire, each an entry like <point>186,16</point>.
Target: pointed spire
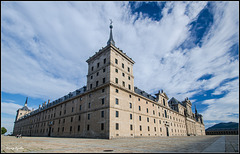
<point>195,109</point>
<point>26,102</point>
<point>111,41</point>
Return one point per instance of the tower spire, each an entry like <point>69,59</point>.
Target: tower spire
<point>111,41</point>
<point>195,109</point>
<point>26,102</point>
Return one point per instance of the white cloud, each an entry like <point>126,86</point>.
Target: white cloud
<point>8,123</point>
<point>10,108</point>
<point>45,46</point>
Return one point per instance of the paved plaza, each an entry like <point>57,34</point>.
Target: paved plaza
<point>207,143</point>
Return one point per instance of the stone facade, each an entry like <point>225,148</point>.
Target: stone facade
<point>110,106</point>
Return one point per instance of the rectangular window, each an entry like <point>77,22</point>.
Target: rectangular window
<point>102,101</point>
<point>147,119</point>
<point>63,129</point>
<point>98,65</point>
<point>90,86</point>
<point>92,68</point>
<point>128,77</point>
<point>60,113</point>
<point>130,105</point>
<point>78,127</point>
<point>140,118</point>
<point>131,116</point>
<point>116,90</point>
<point>104,70</point>
<point>140,128</point>
<point>128,69</point>
<point>79,118</point>
<point>123,74</point>
<point>80,107</point>
<point>129,87</point>
<point>139,108</point>
<point>96,83</point>
<point>116,80</point>
<point>88,127</point>
<point>102,114</point>
<point>104,61</point>
<point>122,65</point>
<point>102,126</point>
<point>117,126</point>
<point>103,90</point>
<point>117,114</point>
<point>153,112</point>
<point>58,129</point>
<point>116,101</point>
<point>148,128</point>
<point>165,113</point>
<point>71,119</point>
<point>59,121</point>
<point>147,110</point>
<point>89,105</point>
<point>72,109</point>
<point>70,128</point>
<point>103,80</point>
<point>88,116</point>
<point>131,127</point>
<point>116,70</point>
<point>116,61</point>
<point>154,121</point>
<point>123,83</point>
<point>63,120</point>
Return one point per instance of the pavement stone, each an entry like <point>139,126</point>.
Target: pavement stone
<point>11,144</point>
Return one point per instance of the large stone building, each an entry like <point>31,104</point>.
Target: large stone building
<point>110,106</point>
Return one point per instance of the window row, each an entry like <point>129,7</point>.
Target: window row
<point>123,83</point>
<point>98,64</point>
<point>116,62</point>
<point>97,83</point>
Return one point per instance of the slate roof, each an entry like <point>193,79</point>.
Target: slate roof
<point>25,108</point>
<point>143,93</point>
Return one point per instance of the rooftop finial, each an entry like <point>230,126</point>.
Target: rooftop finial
<point>111,41</point>
<point>26,102</point>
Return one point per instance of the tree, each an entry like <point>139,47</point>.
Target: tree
<point>4,130</point>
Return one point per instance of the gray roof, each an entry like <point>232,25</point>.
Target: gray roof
<point>25,108</point>
<point>143,93</point>
<point>57,101</point>
<point>174,101</point>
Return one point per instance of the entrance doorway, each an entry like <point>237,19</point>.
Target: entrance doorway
<point>49,132</point>
<point>167,131</point>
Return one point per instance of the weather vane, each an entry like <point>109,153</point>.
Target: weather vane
<point>110,21</point>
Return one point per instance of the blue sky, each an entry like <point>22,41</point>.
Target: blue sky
<point>188,49</point>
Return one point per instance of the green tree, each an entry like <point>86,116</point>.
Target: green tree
<point>4,130</point>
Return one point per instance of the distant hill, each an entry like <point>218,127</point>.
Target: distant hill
<point>224,126</point>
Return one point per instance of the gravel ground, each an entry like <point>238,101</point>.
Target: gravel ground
<point>11,144</point>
